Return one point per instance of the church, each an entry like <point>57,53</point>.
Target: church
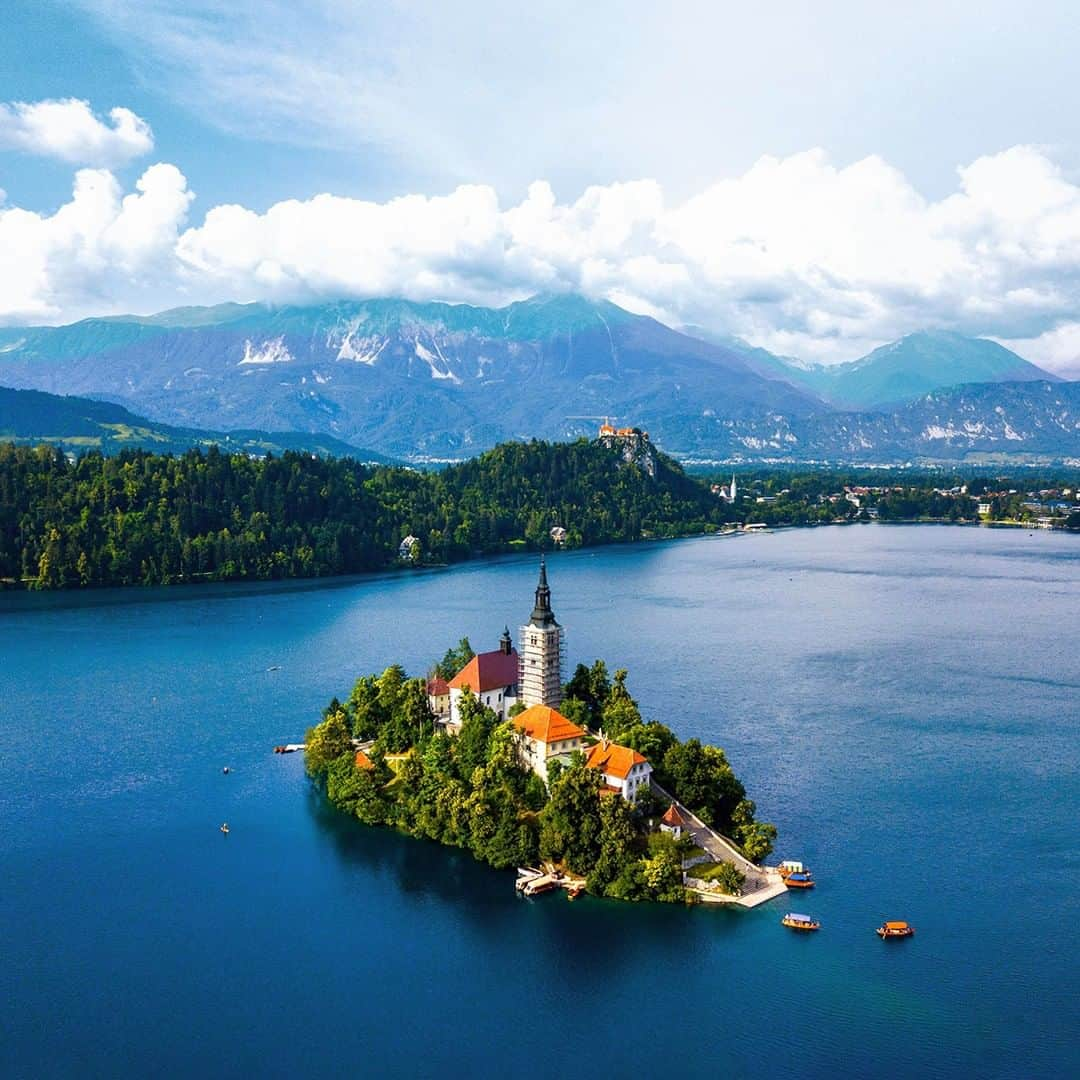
<point>531,676</point>
<point>503,677</point>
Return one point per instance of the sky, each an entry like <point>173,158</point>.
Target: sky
<point>817,178</point>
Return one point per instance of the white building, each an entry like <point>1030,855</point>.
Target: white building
<point>673,822</point>
<point>542,645</point>
<point>546,735</point>
<point>624,770</point>
<point>438,695</point>
<point>493,679</point>
<point>726,493</point>
<point>408,547</point>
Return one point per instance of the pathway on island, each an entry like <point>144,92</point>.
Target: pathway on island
<point>762,882</point>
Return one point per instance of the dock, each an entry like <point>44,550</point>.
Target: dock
<point>293,747</point>
<point>763,883</point>
<point>533,882</point>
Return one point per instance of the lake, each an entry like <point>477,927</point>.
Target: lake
<point>902,702</point>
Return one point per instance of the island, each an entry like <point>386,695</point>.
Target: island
<point>494,754</point>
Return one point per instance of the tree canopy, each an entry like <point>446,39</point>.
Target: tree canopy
<point>471,790</point>
<point>144,518</point>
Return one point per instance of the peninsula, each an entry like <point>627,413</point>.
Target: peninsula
<point>493,753</point>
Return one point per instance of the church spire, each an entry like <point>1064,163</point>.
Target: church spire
<point>541,655</point>
<point>542,615</point>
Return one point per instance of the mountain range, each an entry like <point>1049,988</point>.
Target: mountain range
<point>919,363</point>
<point>439,381</point>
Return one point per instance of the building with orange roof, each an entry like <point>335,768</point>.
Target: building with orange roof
<point>673,822</point>
<point>546,735</point>
<point>493,679</point>
<point>363,761</point>
<point>622,768</point>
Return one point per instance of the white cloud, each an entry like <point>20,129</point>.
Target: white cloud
<point>1056,350</point>
<point>797,254</point>
<point>100,252</point>
<point>432,95</point>
<point>69,130</point>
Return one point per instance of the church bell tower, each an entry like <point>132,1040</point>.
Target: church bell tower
<point>542,645</point>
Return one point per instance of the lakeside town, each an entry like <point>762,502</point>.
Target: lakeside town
<point>799,498</point>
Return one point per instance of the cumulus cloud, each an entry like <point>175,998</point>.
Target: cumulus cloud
<point>798,254</point>
<point>68,129</point>
<point>101,251</point>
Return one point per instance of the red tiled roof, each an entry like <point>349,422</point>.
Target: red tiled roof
<point>673,817</point>
<point>438,687</point>
<point>546,725</point>
<point>612,759</point>
<point>487,671</point>
<point>363,761</point>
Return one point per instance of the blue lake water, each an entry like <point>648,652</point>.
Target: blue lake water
<point>902,702</point>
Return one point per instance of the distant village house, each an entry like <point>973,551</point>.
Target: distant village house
<point>726,492</point>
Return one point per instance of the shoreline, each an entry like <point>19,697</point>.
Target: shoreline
<point>201,589</point>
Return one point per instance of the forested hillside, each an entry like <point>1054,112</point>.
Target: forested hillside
<point>150,518</point>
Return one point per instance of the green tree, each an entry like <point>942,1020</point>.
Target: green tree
<point>365,709</point>
<point>653,740</point>
<point>570,823</point>
<point>471,744</point>
<point>617,844</point>
<point>703,780</point>
<point>370,805</point>
<point>411,720</point>
<point>662,874</point>
<point>620,711</point>
<point>455,659</point>
<point>591,688</point>
<point>729,878</point>
<point>325,742</point>
<point>754,837</point>
<point>344,782</point>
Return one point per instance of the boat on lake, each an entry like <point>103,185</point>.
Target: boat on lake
<point>805,880</point>
<point>895,929</point>
<point>800,922</point>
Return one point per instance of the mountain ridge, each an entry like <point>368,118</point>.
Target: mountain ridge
<point>34,416</point>
<point>900,370</point>
<point>400,377</point>
<point>436,381</point>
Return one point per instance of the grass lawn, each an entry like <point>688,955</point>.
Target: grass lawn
<point>708,871</point>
